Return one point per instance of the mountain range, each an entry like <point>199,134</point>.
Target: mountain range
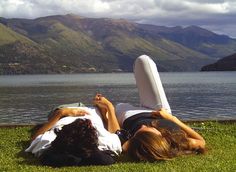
<point>74,44</point>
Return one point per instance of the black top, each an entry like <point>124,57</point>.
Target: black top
<point>133,123</point>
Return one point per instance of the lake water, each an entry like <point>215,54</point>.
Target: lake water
<point>27,99</point>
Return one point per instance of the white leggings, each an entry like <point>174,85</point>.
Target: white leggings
<point>151,92</point>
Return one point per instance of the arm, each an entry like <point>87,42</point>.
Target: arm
<point>57,115</point>
<point>195,140</point>
<point>108,113</point>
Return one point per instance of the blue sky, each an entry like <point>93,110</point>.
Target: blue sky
<point>215,15</point>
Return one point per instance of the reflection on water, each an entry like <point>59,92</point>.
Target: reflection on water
<point>28,98</point>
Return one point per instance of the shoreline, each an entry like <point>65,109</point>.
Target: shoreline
<point>230,121</point>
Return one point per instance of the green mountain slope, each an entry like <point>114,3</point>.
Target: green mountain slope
<point>8,36</point>
<point>20,55</point>
<point>127,42</point>
<point>197,39</point>
<point>72,44</point>
<point>74,49</point>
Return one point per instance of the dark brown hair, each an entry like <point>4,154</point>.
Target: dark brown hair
<point>78,138</point>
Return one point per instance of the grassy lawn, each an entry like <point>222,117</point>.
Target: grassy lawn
<point>221,155</point>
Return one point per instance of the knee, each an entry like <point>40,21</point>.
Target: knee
<point>142,60</point>
<point>145,63</point>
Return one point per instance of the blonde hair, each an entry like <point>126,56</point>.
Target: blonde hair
<point>148,146</point>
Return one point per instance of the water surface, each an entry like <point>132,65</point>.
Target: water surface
<point>27,99</point>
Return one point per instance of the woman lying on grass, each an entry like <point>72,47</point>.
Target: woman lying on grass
<point>76,136</point>
<point>155,133</point>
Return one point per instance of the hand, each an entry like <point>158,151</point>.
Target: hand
<point>73,112</point>
<point>103,105</point>
<point>102,102</point>
<point>163,113</point>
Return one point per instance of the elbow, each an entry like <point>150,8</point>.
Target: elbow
<point>197,143</point>
<point>202,142</point>
<point>202,148</point>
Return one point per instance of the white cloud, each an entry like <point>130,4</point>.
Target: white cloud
<point>113,8</point>
<point>208,8</point>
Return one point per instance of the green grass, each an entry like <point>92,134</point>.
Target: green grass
<point>221,155</point>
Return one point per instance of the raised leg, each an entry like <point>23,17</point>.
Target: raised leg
<point>151,92</point>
